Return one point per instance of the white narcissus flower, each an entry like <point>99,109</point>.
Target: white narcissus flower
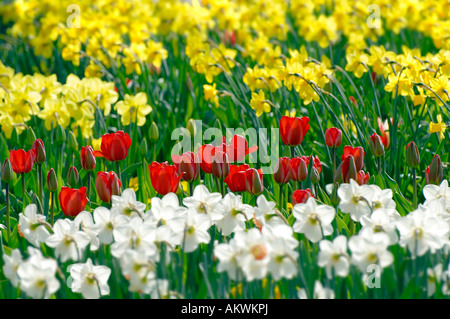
<point>139,269</point>
<point>437,193</point>
<point>37,276</point>
<point>355,200</point>
<point>333,257</point>
<point>227,254</point>
<point>319,292</point>
<point>127,204</point>
<point>422,230</point>
<point>89,280</point>
<point>86,223</point>
<point>105,222</point>
<point>382,199</point>
<point>204,202</point>
<point>382,220</point>
<point>369,248</point>
<point>255,253</point>
<point>196,231</point>
<point>434,277</point>
<point>265,212</point>
<point>234,212</point>
<point>135,235</point>
<point>67,240</point>
<point>11,265</point>
<point>33,226</point>
<point>313,220</point>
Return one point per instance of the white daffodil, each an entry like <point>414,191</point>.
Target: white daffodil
<point>135,235</point>
<point>204,202</point>
<point>86,223</point>
<point>227,254</point>
<point>167,211</point>
<point>139,269</point>
<point>333,257</point>
<point>382,220</point>
<point>266,212</point>
<point>355,200</point>
<point>255,255</point>
<point>37,276</point>
<point>319,292</point>
<point>422,230</point>
<point>67,240</point>
<point>105,222</point>
<point>382,199</point>
<point>11,265</point>
<point>434,277</point>
<point>313,220</point>
<point>127,204</point>
<point>369,248</point>
<point>234,212</point>
<point>437,193</point>
<point>89,280</point>
<point>196,230</point>
<point>33,225</point>
<point>283,259</point>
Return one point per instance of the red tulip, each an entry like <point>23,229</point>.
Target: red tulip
<point>412,155</point>
<point>164,177</point>
<point>21,161</point>
<point>376,145</point>
<point>384,128</point>
<point>348,169</point>
<point>362,177</point>
<point>357,153</point>
<point>187,163</point>
<point>236,178</point>
<point>238,148</point>
<point>107,184</point>
<point>114,146</point>
<point>298,168</point>
<point>205,154</point>
<point>72,201</point>
<point>220,165</point>
<point>301,196</point>
<point>87,157</point>
<point>434,173</point>
<point>333,137</point>
<point>254,181</point>
<point>316,162</point>
<point>39,151</point>
<point>281,172</point>
<point>293,129</point>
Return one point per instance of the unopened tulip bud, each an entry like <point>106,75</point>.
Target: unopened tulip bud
<point>298,169</point>
<point>220,165</point>
<point>52,181</point>
<point>376,145</point>
<point>154,133</point>
<point>30,137</point>
<point>60,134</point>
<point>107,185</point>
<point>434,173</point>
<point>412,155</point>
<point>7,172</point>
<point>73,177</point>
<point>362,177</point>
<point>39,151</point>
<point>143,148</point>
<point>315,176</point>
<point>187,164</point>
<point>281,172</point>
<point>88,161</point>
<point>300,196</point>
<point>72,142</point>
<point>349,169</point>
<point>253,181</point>
<point>333,137</point>
<point>191,127</point>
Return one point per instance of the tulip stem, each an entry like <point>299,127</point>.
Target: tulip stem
<point>222,187</point>
<point>118,173</point>
<point>292,151</point>
<point>89,188</point>
<point>8,224</point>
<point>334,161</point>
<point>191,188</point>
<point>379,165</point>
<point>414,188</point>
<point>52,208</point>
<point>41,183</point>
<point>281,198</point>
<point>23,192</point>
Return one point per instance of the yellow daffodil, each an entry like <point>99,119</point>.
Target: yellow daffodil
<point>259,104</point>
<point>438,127</point>
<point>133,109</point>
<point>134,184</point>
<point>211,94</point>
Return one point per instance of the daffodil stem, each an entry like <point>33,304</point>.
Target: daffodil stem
<point>414,188</point>
<point>23,192</point>
<point>8,222</point>
<point>52,208</point>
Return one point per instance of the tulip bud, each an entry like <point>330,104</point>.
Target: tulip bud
<point>30,137</point>
<point>300,196</point>
<point>362,177</point>
<point>143,147</point>
<point>154,133</point>
<point>7,172</point>
<point>315,176</point>
<point>73,177</point>
<point>60,134</point>
<point>376,145</point>
<point>253,181</point>
<point>188,165</point>
<point>107,185</point>
<point>220,165</point>
<point>281,172</point>
<point>434,173</point>
<point>298,169</point>
<point>52,181</point>
<point>349,169</point>
<point>87,158</point>
<point>412,155</point>
<point>337,178</point>
<point>72,142</point>
<point>39,150</point>
<point>333,137</point>
<point>191,127</point>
